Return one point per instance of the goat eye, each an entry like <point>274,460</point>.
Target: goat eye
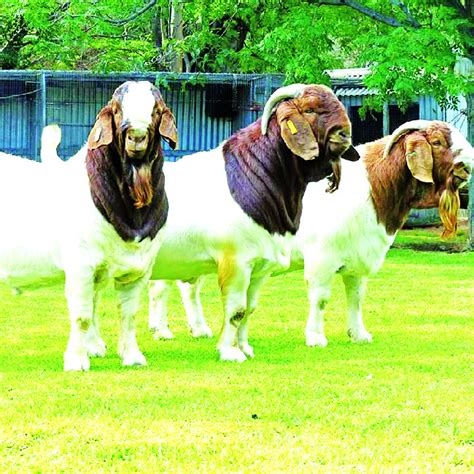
<point>310,111</point>
<point>436,143</point>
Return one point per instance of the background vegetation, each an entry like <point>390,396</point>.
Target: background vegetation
<point>411,46</point>
<point>397,405</point>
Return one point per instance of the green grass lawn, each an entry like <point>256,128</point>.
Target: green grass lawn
<point>401,404</point>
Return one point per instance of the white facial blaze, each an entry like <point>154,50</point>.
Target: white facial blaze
<point>466,155</point>
<point>137,105</point>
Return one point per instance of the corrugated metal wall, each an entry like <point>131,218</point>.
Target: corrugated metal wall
<point>208,107</point>
<point>18,113</point>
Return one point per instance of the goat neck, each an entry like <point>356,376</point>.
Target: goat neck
<point>113,179</point>
<point>394,190</point>
<point>266,179</point>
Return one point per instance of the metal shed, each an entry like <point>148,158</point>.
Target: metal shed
<point>208,107</point>
<point>349,87</point>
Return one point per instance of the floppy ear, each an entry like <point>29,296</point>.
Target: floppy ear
<point>419,157</point>
<point>168,129</point>
<point>101,133</point>
<point>296,131</point>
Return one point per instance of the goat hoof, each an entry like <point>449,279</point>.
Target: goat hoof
<point>164,333</point>
<point>247,349</point>
<point>96,348</point>
<point>359,336</point>
<point>316,340</point>
<point>232,354</point>
<point>74,362</point>
<point>201,331</point>
<point>134,358</point>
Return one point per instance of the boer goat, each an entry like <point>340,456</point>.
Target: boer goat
<point>235,209</point>
<point>93,218</point>
<point>422,164</point>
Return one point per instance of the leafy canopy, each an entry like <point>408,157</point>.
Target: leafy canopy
<point>411,46</point>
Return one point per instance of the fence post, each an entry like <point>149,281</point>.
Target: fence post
<point>40,113</point>
<point>386,119</point>
<point>268,87</point>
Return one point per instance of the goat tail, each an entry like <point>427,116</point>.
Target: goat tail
<point>142,189</point>
<point>449,205</point>
<point>50,140</point>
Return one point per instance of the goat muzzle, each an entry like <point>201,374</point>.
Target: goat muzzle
<point>338,142</point>
<point>136,143</point>
<point>461,174</point>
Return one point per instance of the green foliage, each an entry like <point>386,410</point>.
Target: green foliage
<point>78,35</point>
<point>411,46</point>
<point>407,62</point>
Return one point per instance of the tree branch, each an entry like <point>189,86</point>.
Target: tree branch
<point>404,8</point>
<point>462,10</point>
<point>132,17</point>
<point>371,13</point>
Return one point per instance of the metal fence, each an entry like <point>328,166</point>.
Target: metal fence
<point>208,107</point>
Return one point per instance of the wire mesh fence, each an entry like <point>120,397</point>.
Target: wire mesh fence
<point>208,107</point>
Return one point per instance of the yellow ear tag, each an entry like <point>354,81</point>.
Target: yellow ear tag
<point>97,134</point>
<point>292,127</point>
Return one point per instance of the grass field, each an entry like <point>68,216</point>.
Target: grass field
<point>401,404</point>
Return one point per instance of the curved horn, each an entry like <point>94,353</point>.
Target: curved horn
<point>293,90</point>
<point>402,129</point>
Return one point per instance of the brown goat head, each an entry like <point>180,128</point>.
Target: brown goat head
<point>135,110</point>
<point>438,156</point>
<point>133,123</point>
<point>313,124</point>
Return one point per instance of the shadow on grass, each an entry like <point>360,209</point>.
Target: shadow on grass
<point>429,239</point>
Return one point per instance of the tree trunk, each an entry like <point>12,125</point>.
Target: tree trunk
<point>176,32</point>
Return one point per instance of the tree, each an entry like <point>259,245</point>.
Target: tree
<point>411,46</point>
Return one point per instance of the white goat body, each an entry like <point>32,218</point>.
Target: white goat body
<point>206,227</point>
<point>340,232</point>
<point>208,230</point>
<point>53,227</point>
<point>205,222</point>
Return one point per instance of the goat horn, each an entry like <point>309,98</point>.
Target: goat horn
<point>293,90</point>
<point>402,130</point>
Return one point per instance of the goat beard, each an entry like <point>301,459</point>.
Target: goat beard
<point>141,188</point>
<point>449,204</point>
<point>335,178</point>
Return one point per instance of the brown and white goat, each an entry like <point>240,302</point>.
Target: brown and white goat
<point>422,164</point>
<point>234,210</point>
<point>93,218</point>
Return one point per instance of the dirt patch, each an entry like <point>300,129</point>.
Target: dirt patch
<point>433,246</point>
